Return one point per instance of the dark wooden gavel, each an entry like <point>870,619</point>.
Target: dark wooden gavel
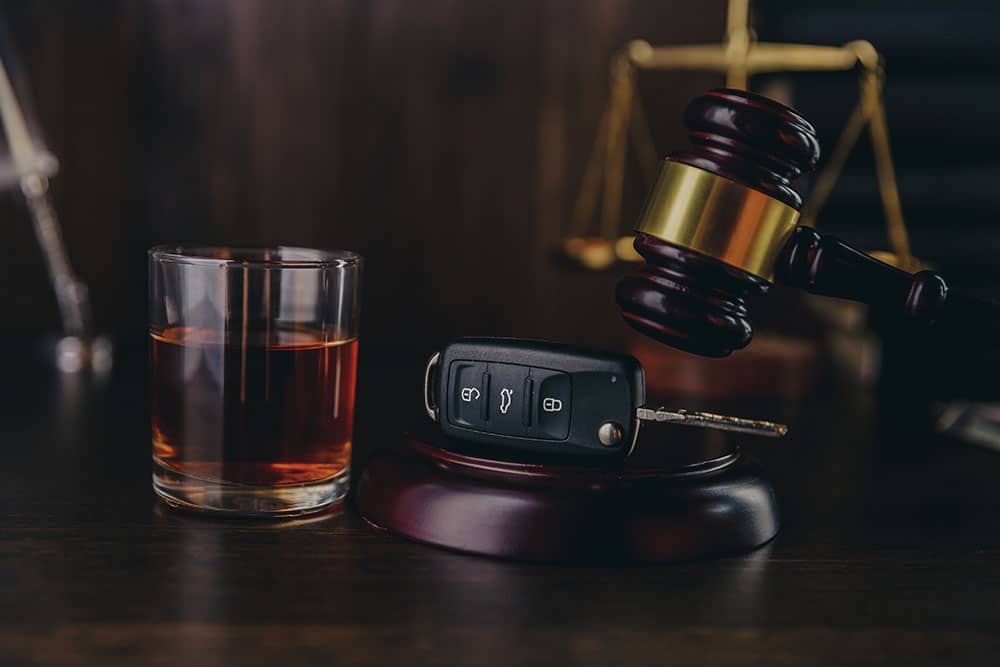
<point>721,226</point>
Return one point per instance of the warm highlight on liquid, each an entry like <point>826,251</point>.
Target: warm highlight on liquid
<point>272,410</point>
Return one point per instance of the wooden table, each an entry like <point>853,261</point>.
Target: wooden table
<point>889,553</point>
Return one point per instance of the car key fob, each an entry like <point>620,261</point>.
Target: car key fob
<point>536,396</point>
<point>551,398</point>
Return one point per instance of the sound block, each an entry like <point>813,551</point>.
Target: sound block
<point>426,490</point>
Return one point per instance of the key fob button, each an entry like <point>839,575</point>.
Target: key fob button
<point>468,380</point>
<point>506,398</point>
<point>552,403</point>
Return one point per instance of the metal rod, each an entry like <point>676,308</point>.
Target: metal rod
<point>760,58</point>
<point>878,129</point>
<point>71,294</point>
<point>614,174</point>
<point>714,421</point>
<point>827,178</point>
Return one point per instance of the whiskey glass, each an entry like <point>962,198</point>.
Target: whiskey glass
<point>253,362</point>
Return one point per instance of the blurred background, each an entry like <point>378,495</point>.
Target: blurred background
<point>446,142</point>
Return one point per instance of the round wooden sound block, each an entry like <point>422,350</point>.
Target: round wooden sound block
<point>426,491</point>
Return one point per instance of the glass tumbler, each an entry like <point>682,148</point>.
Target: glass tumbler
<point>253,360</point>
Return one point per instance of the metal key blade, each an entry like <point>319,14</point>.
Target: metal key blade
<point>712,420</point>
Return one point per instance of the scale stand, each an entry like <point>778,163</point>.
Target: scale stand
<point>26,165</point>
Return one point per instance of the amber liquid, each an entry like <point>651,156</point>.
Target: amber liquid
<point>265,411</point>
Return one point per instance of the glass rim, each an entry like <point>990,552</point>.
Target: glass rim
<point>211,255</point>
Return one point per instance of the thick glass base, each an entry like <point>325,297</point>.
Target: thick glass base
<point>242,500</point>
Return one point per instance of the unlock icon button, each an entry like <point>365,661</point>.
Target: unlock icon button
<point>466,404</point>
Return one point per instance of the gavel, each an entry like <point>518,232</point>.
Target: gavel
<point>720,227</point>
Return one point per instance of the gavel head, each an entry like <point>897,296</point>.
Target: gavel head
<point>717,221</point>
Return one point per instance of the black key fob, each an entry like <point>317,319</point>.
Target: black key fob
<point>536,396</point>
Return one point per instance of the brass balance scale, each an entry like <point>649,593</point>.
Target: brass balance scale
<point>597,242</point>
<point>596,238</point>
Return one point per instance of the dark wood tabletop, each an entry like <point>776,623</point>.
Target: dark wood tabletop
<point>889,554</point>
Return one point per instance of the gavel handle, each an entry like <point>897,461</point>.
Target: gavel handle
<point>824,265</point>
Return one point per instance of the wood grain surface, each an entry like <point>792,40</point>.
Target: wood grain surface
<point>889,554</point>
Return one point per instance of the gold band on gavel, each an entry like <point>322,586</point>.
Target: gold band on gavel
<point>715,216</point>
